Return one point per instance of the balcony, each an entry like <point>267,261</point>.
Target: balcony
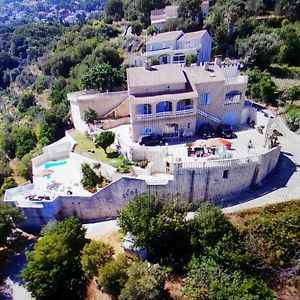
<point>184,110</point>
<point>164,114</point>
<point>143,116</point>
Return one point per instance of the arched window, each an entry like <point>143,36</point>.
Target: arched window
<point>233,96</point>
<point>164,106</point>
<point>143,109</point>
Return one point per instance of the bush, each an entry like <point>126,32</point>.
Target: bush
<point>95,255</point>
<point>9,182</point>
<point>53,268</point>
<point>90,179</point>
<point>136,27</point>
<point>89,115</point>
<point>145,283</point>
<point>190,59</point>
<point>113,276</point>
<point>155,61</point>
<point>207,280</point>
<point>104,140</point>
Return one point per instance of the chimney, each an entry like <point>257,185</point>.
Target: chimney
<point>206,66</point>
<point>147,64</point>
<point>218,59</point>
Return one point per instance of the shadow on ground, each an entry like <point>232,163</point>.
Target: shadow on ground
<point>276,180</point>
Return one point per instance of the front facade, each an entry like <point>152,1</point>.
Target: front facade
<point>174,101</point>
<point>172,47</point>
<point>159,17</point>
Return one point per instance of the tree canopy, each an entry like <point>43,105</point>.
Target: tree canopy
<point>105,139</point>
<point>54,268</point>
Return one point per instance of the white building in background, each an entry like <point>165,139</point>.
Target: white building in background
<point>173,46</point>
<point>159,17</point>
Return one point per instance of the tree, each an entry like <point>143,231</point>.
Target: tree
<point>26,141</point>
<point>114,8</point>
<point>89,115</point>
<point>53,268</point>
<point>95,255</point>
<point>261,85</point>
<point>151,30</point>
<point>136,27</point>
<point>190,15</point>
<point>259,49</point>
<point>207,280</point>
<point>90,179</point>
<point>113,276</point>
<point>145,283</point>
<point>158,226</point>
<point>290,46</point>
<point>105,139</point>
<point>59,64</point>
<point>24,166</point>
<point>190,59</point>
<point>9,182</point>
<point>103,77</point>
<point>26,101</point>
<point>9,218</point>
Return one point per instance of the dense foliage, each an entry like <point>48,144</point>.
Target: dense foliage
<point>90,179</point>
<point>105,139</point>
<point>95,254</point>
<point>145,282</point>
<point>54,266</point>
<point>9,218</point>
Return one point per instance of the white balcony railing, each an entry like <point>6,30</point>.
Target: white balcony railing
<point>185,111</point>
<point>163,114</point>
<point>143,116</point>
<point>236,80</point>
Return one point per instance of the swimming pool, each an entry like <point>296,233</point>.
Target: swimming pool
<point>49,165</point>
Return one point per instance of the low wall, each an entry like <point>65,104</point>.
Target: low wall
<point>189,184</point>
<point>112,123</point>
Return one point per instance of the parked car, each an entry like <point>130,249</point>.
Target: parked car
<point>206,131</point>
<point>151,140</point>
<point>131,250</point>
<point>225,131</point>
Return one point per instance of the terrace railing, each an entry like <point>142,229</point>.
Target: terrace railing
<point>143,116</point>
<point>163,114</point>
<point>216,163</point>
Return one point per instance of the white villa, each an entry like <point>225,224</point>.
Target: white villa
<point>159,17</point>
<point>173,46</point>
<point>170,100</point>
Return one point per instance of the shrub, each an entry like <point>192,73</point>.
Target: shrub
<point>90,179</point>
<point>89,115</point>
<point>95,255</point>
<point>113,276</point>
<point>105,139</point>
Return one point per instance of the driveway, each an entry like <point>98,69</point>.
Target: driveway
<point>282,185</point>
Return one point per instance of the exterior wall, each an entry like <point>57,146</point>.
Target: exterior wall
<point>161,45</point>
<point>102,103</point>
<point>205,48</point>
<point>191,183</point>
<point>159,125</point>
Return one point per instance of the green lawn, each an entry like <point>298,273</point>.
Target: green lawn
<point>84,144</point>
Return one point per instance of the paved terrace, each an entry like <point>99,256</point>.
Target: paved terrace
<point>283,185</point>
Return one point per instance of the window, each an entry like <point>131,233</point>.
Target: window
<point>188,125</point>
<point>225,173</point>
<point>147,130</point>
<point>233,96</point>
<point>205,98</point>
<point>168,87</point>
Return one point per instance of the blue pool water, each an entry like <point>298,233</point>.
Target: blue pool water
<point>49,165</point>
